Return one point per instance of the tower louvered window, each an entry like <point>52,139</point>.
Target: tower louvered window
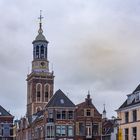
<point>42,51</point>
<point>38,92</point>
<point>47,90</point>
<point>37,51</point>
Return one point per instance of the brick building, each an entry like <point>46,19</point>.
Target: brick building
<point>88,121</point>
<point>60,118</point>
<point>6,125</point>
<point>53,117</point>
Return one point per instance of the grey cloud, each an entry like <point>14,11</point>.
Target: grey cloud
<point>93,45</point>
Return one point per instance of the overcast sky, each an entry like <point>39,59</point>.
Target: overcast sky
<point>94,45</point>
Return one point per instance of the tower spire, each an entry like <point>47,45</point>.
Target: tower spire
<point>104,113</point>
<point>40,31</point>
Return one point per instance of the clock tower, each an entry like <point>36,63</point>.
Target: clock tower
<point>40,82</point>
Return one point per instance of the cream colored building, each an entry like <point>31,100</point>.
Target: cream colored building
<point>129,113</point>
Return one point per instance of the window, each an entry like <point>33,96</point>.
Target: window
<point>50,131</point>
<point>37,51</point>
<point>38,109</point>
<point>45,52</point>
<point>38,92</point>
<point>61,130</point>
<point>6,130</point>
<point>88,112</point>
<point>46,94</point>
<point>58,130</point>
<point>134,133</point>
<point>47,90</point>
<point>134,115</point>
<point>137,97</point>
<point>70,115</point>
<point>70,131</point>
<point>61,101</point>
<point>126,117</point>
<point>42,51</point>
<point>95,129</point>
<point>50,113</point>
<point>61,114</point>
<point>88,130</point>
<point>81,129</point>
<point>58,115</point>
<point>126,134</point>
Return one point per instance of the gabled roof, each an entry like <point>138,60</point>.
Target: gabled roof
<point>59,99</point>
<point>3,112</point>
<point>37,116</point>
<point>125,104</point>
<point>137,89</point>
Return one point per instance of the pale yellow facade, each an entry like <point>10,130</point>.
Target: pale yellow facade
<point>130,124</point>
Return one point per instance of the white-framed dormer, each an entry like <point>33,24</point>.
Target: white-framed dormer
<point>130,98</point>
<point>137,96</point>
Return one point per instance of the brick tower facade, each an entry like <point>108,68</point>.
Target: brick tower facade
<point>40,81</point>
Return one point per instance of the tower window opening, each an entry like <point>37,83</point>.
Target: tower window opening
<point>46,52</point>
<point>46,94</point>
<point>42,51</point>
<point>37,51</point>
<point>38,92</point>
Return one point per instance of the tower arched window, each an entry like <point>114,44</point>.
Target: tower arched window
<point>38,109</point>
<point>37,51</point>
<point>46,93</point>
<point>38,92</point>
<point>42,51</point>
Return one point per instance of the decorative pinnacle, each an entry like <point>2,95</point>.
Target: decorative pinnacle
<point>104,108</point>
<point>88,96</point>
<point>40,31</point>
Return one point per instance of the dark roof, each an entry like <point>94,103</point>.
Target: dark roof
<point>137,89</point>
<point>59,99</point>
<point>3,112</point>
<point>127,105</point>
<point>108,126</point>
<point>38,116</point>
<point>133,102</point>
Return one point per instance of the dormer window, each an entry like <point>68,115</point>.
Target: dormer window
<point>131,98</point>
<point>61,101</point>
<point>137,97</point>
